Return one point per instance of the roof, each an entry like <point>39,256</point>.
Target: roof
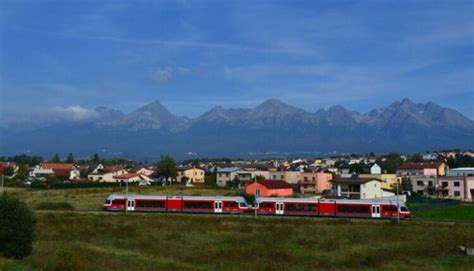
<point>228,169</point>
<point>57,166</point>
<point>62,172</point>
<point>188,168</point>
<point>163,197</point>
<point>275,184</point>
<point>355,180</point>
<point>461,169</point>
<point>419,166</point>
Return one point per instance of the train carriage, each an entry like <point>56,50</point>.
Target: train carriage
<point>375,208</point>
<point>180,204</point>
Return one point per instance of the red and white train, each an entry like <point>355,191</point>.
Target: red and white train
<point>263,206</point>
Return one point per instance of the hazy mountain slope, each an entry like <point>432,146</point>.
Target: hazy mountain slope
<point>272,126</point>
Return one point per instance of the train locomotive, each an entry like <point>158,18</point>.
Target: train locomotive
<point>349,208</point>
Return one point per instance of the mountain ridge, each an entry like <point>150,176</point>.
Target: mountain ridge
<point>270,126</point>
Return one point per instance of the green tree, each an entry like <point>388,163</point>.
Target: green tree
<point>357,168</point>
<point>8,171</point>
<point>390,163</point>
<point>70,159</point>
<point>167,167</point>
<point>55,159</point>
<point>95,159</point>
<point>17,228</point>
<point>23,170</point>
<point>259,178</point>
<point>416,158</point>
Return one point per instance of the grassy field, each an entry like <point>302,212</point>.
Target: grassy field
<point>182,242</point>
<point>459,212</point>
<point>91,199</point>
<point>69,240</point>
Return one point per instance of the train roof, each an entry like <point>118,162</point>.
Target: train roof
<point>133,196</point>
<point>348,201</point>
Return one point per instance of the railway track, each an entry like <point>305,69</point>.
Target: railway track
<point>249,216</point>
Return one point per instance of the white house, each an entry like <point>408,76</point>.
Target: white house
<point>375,169</point>
<point>358,188</point>
<point>106,174</point>
<point>225,175</point>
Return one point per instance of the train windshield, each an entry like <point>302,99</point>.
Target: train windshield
<point>242,204</point>
<point>107,201</point>
<point>404,209</point>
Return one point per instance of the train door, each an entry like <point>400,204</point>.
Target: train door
<point>217,206</point>
<point>375,210</point>
<point>130,205</point>
<point>279,208</point>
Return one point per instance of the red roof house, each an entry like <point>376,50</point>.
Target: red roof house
<point>269,188</point>
<point>59,169</point>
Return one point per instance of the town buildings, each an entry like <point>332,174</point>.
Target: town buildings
<point>423,168</point>
<point>269,188</point>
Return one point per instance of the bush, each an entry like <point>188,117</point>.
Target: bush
<point>17,228</point>
<point>49,205</point>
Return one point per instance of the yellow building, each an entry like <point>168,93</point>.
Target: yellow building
<point>194,175</point>
<point>389,180</point>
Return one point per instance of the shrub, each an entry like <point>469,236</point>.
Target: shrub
<point>17,228</point>
<point>49,205</point>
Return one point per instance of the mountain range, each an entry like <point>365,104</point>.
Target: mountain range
<point>273,127</point>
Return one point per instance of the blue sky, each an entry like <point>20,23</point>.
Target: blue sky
<point>194,55</point>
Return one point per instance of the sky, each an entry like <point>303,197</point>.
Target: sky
<point>195,55</point>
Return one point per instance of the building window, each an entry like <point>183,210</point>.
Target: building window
<point>430,183</point>
<point>456,184</point>
<point>444,184</point>
<point>257,192</point>
<point>457,193</point>
<point>419,183</point>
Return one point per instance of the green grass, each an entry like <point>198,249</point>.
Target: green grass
<point>60,205</point>
<point>104,241</point>
<point>186,242</point>
<point>91,199</point>
<point>459,212</point>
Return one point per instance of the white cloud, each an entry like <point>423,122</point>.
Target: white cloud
<point>162,75</point>
<point>70,113</point>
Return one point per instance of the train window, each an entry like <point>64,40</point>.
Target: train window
<point>392,208</point>
<point>267,204</point>
<point>353,208</point>
<point>198,204</point>
<point>150,204</point>
<point>118,201</point>
<point>300,207</point>
<point>231,204</point>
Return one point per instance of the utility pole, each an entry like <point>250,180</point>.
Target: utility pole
<point>2,183</point>
<point>398,204</point>
<point>255,210</point>
<point>126,196</point>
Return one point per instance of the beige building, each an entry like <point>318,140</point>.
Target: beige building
<point>291,177</point>
<point>389,180</point>
<point>194,175</point>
